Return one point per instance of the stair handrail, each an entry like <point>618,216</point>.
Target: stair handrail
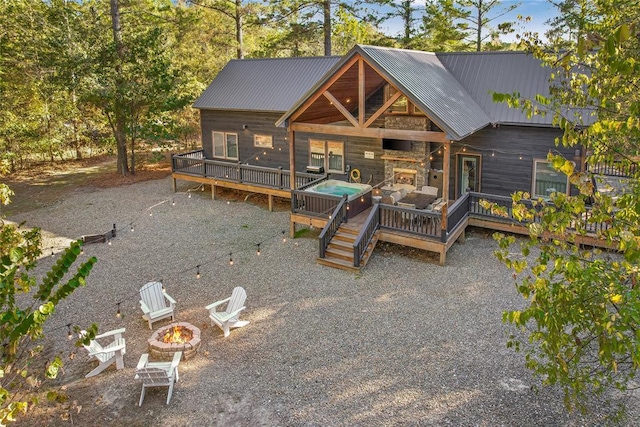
<point>368,230</point>
<point>338,216</point>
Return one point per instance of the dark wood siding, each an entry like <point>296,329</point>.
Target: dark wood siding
<point>278,156</point>
<point>257,123</point>
<point>507,153</point>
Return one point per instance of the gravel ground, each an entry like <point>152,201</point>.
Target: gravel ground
<point>404,342</point>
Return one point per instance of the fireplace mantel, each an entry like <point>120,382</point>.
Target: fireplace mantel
<point>401,159</point>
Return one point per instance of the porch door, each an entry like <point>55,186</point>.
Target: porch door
<point>468,173</point>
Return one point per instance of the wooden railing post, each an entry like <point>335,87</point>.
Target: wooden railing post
<point>280,177</point>
<point>239,177</point>
<point>443,235</point>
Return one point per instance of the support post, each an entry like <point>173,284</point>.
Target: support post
<point>270,197</point>
<point>292,159</point>
<point>446,165</point>
<point>213,192</point>
<point>173,184</point>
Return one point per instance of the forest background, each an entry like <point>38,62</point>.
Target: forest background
<point>83,78</point>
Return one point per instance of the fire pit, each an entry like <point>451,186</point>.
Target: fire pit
<point>180,336</point>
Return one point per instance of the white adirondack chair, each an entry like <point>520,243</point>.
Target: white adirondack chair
<point>155,303</point>
<point>157,374</point>
<point>228,319</point>
<point>107,355</point>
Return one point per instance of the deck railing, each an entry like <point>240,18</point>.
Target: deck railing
<point>415,221</point>
<point>623,169</point>
<point>313,204</point>
<point>194,163</point>
<point>457,213</point>
<point>371,224</point>
<point>338,216</point>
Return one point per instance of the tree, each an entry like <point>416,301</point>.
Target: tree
<point>133,79</point>
<point>483,12</point>
<point>21,322</point>
<point>583,305</point>
<point>444,28</point>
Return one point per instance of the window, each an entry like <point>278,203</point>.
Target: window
<point>328,154</point>
<point>263,141</point>
<point>547,180</point>
<point>225,145</point>
<point>401,105</point>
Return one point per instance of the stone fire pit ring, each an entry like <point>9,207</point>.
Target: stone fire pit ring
<point>165,351</point>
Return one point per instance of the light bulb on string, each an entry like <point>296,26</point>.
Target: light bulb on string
<point>162,284</point>
<point>431,157</point>
<point>258,251</point>
<point>284,237</point>
<point>189,194</point>
<point>118,313</point>
<point>52,254</point>
<point>202,188</point>
<point>109,242</point>
<point>150,213</point>
<point>173,202</point>
<point>493,153</point>
<point>69,334</point>
<point>132,229</point>
<point>197,271</point>
<point>520,157</point>
<point>230,258</point>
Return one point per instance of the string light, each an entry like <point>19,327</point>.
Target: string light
<point>162,284</point>
<point>189,195</point>
<point>150,213</point>
<point>198,271</point>
<point>69,334</point>
<point>132,227</point>
<point>284,237</point>
<point>493,153</point>
<point>230,258</point>
<point>258,251</point>
<point>118,313</point>
<point>109,242</point>
<point>173,202</point>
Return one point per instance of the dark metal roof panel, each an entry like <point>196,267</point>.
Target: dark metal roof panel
<point>263,84</point>
<point>482,73</point>
<point>428,84</point>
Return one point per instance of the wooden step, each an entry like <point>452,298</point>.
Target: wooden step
<point>338,252</point>
<point>345,237</point>
<point>338,263</point>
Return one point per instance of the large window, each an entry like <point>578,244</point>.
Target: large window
<point>225,145</point>
<point>328,154</point>
<point>547,180</point>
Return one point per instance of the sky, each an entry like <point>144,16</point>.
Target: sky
<point>540,11</point>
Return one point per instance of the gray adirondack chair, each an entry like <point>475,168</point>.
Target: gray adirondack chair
<point>155,303</point>
<point>229,318</point>
<point>106,355</point>
<point>158,374</point>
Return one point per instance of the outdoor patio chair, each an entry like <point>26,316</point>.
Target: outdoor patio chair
<point>229,318</point>
<point>158,374</point>
<point>107,355</point>
<point>155,303</point>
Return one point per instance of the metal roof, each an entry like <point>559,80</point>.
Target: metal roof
<point>263,84</point>
<point>482,73</point>
<point>430,86</point>
<point>425,81</point>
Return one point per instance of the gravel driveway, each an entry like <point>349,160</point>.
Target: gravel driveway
<point>404,342</point>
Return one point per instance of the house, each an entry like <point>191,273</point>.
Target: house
<point>392,119</point>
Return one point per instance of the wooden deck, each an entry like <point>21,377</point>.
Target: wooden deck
<point>429,230</point>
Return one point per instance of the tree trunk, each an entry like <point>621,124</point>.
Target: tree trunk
<point>239,40</point>
<point>327,27</point>
<point>479,33</point>
<point>119,125</point>
<point>406,19</point>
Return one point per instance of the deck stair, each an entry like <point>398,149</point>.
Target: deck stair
<point>339,253</point>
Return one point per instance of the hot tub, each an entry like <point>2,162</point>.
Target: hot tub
<point>358,195</point>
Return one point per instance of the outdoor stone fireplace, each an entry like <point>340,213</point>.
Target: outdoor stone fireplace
<point>409,167</point>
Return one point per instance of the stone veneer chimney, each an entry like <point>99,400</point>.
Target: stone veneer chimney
<point>417,159</point>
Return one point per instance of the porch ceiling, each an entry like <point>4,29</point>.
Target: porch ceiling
<point>346,90</point>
